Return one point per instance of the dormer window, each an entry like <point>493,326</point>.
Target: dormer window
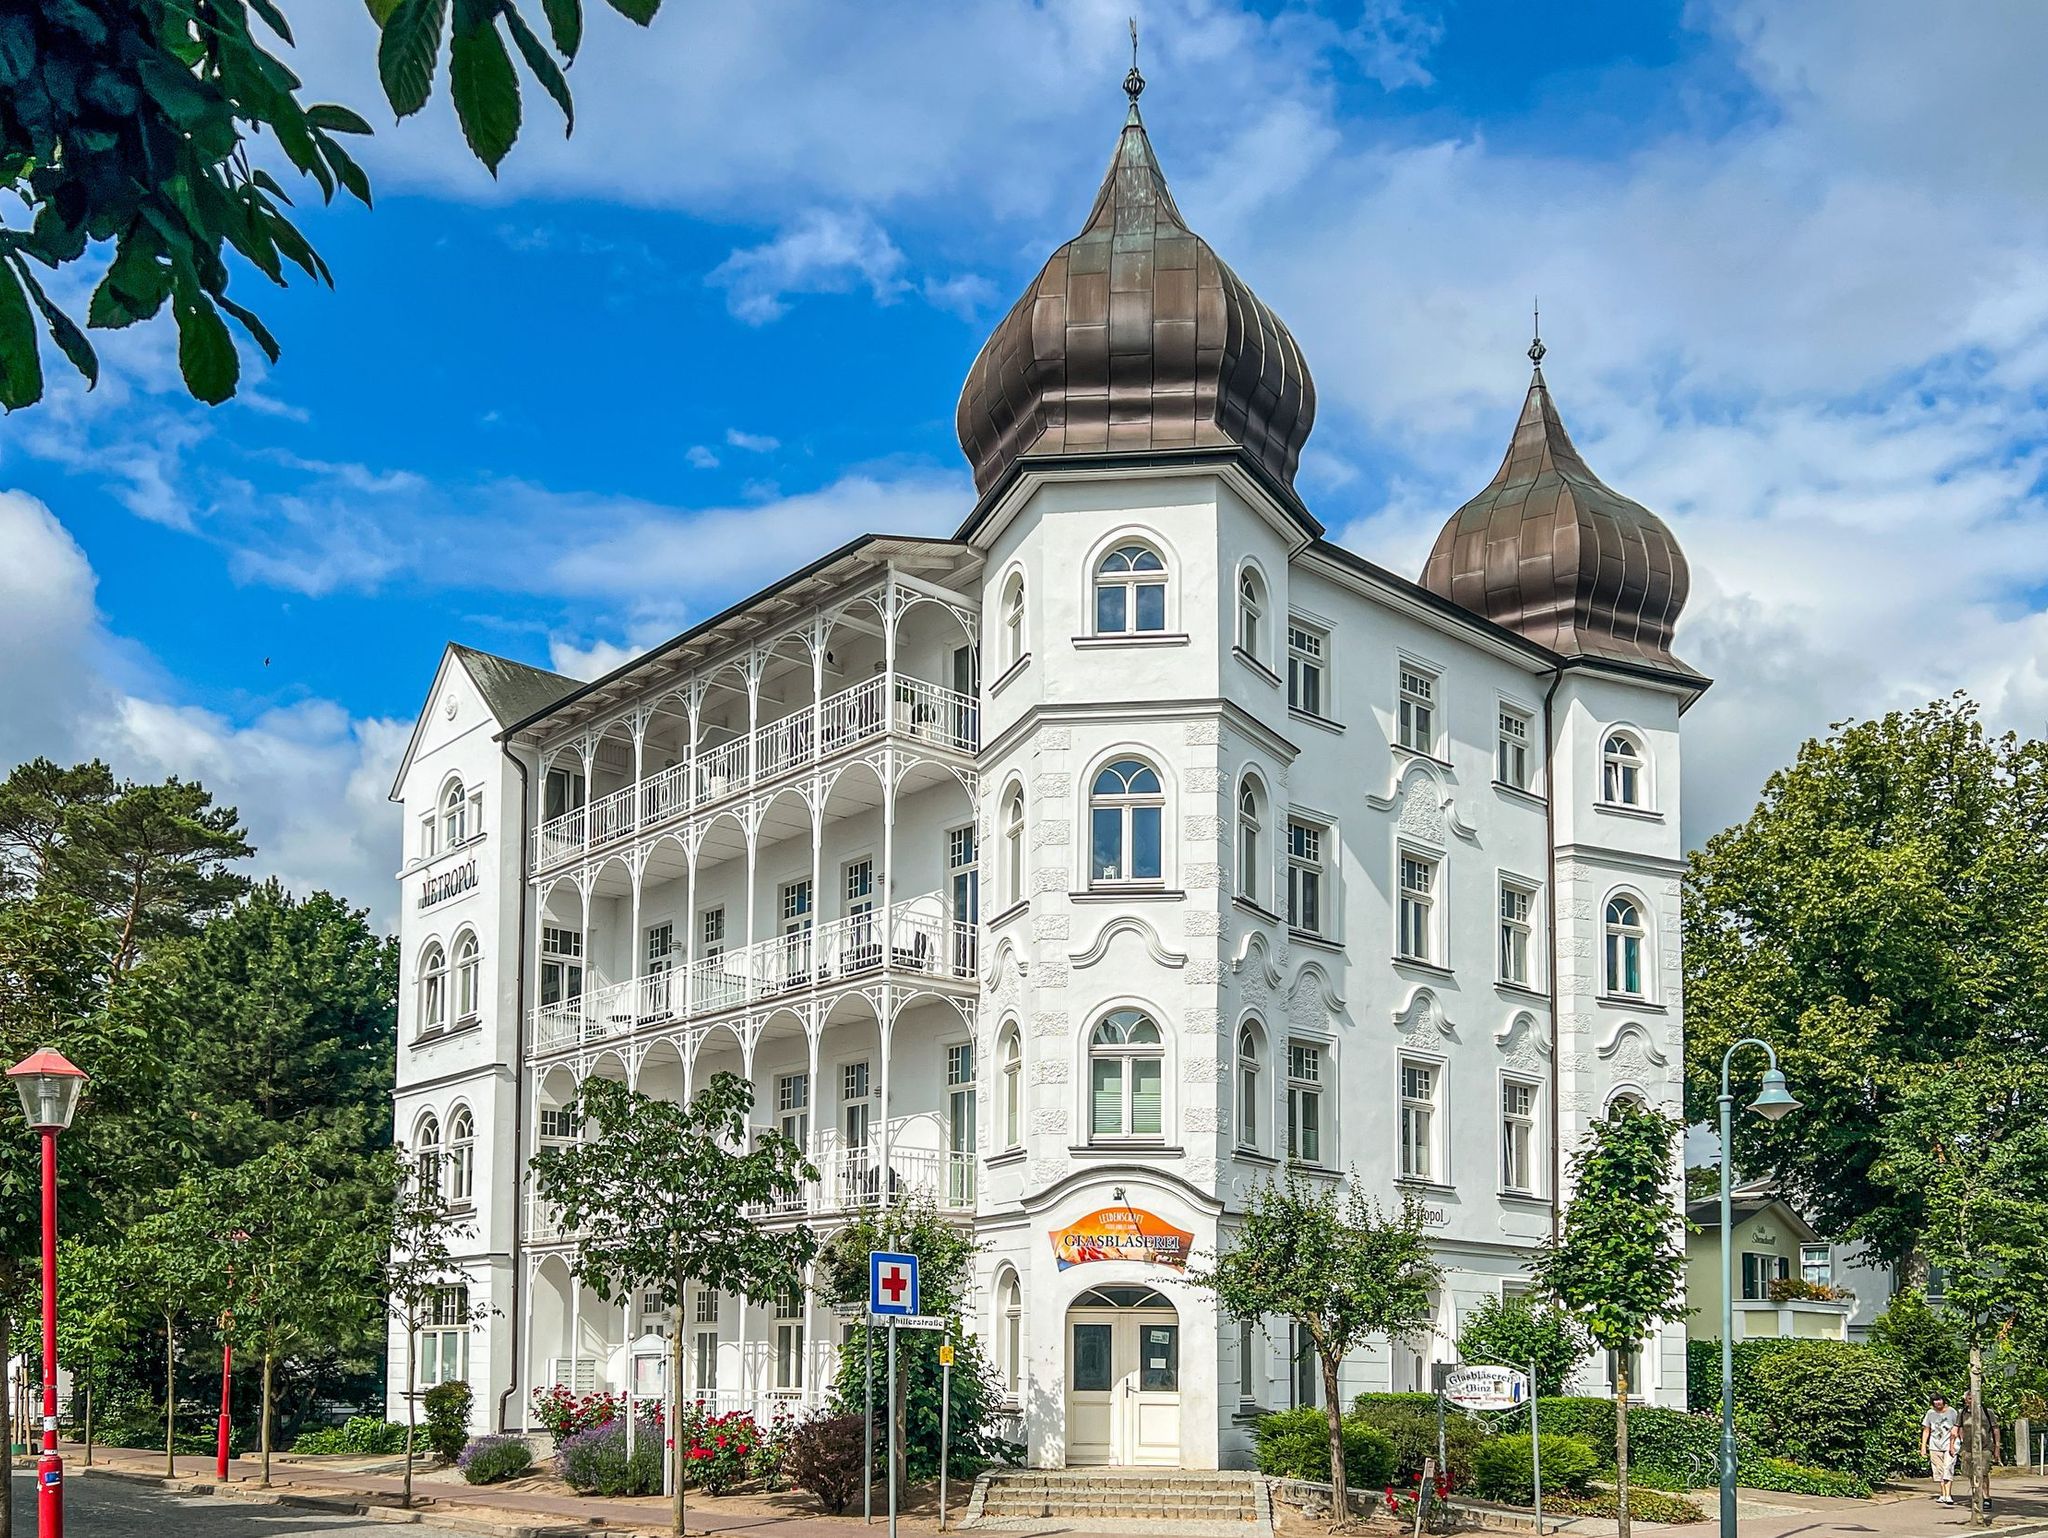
<point>1130,592</point>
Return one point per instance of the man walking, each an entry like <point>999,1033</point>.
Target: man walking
<point>1938,1432</point>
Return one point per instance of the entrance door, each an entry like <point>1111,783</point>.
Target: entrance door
<point>1123,1378</point>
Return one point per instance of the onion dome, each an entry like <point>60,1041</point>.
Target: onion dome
<point>1548,550</point>
<point>1136,338</point>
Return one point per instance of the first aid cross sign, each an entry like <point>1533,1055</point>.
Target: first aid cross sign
<point>892,1283</point>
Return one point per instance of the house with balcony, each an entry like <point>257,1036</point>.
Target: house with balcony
<point>1079,870</point>
<point>1790,1283</point>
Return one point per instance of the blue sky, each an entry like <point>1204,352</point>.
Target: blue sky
<point>1791,261</point>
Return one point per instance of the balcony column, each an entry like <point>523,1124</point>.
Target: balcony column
<point>753,831</point>
<point>814,1134</point>
<point>587,749</point>
<point>526,1356</point>
<point>815,794</point>
<point>693,709</point>
<point>756,664</point>
<point>576,1330</point>
<point>885,1023</point>
<point>692,841</point>
<point>584,882</point>
<point>639,722</point>
<point>821,635</point>
<point>638,959</point>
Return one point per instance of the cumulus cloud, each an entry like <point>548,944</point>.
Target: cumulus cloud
<point>820,252</point>
<point>752,443</point>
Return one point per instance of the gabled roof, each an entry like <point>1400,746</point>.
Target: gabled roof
<point>510,690</point>
<point>1744,1205</point>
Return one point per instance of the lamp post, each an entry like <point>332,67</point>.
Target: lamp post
<point>1772,1102</point>
<point>49,1086</point>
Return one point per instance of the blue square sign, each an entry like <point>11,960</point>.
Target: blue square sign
<point>892,1283</point>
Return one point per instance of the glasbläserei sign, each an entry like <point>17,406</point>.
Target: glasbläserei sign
<point>1486,1388</point>
<point>1122,1233</point>
<point>448,884</point>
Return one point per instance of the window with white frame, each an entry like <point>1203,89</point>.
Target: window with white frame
<point>1625,933</point>
<point>444,1342</point>
<point>433,987</point>
<point>461,1161</point>
<point>794,912</point>
<point>468,976</point>
<point>1513,765</point>
<point>1304,1102</point>
<point>1013,619</point>
<point>561,964</point>
<point>704,1350</point>
<point>1013,846</point>
<point>1126,811</point>
<point>1126,1077</point>
<point>793,1107</point>
<point>427,1152</point>
<point>1415,913</point>
<point>1419,1083</point>
<point>1010,1307</point>
<point>1516,902</point>
<point>1623,771</point>
<point>1250,845</point>
<point>1306,880</point>
<point>789,1340</point>
<point>557,1124</point>
<point>711,934</point>
<point>1416,726</point>
<point>456,823</point>
<point>1308,1369</point>
<point>1308,668</point>
<point>1130,592</point>
<point>858,889</point>
<point>1011,1054</point>
<point>960,1124</point>
<point>1251,1085</point>
<point>561,793</point>
<point>429,845</point>
<point>1251,613</point>
<point>1517,1135</point>
<point>1816,1265</point>
<point>707,1306</point>
<point>1248,1369</point>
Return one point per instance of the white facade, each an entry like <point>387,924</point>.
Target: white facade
<point>991,897</point>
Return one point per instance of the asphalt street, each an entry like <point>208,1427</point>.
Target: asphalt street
<point>103,1507</point>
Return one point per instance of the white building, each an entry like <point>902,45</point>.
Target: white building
<point>1078,870</point>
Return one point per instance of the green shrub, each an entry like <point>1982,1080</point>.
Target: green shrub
<point>1825,1403</point>
<point>1703,1370</point>
<point>1425,1403</point>
<point>363,1435</point>
<point>1926,1345</point>
<point>1413,1433</point>
<point>447,1406</point>
<point>1503,1469</point>
<point>1519,1328</point>
<point>827,1456</point>
<point>1295,1444</point>
<point>1589,1419</point>
<point>490,1459</point>
<point>1643,1505</point>
<point>1760,1471</point>
<point>595,1462</point>
<point>1686,1449</point>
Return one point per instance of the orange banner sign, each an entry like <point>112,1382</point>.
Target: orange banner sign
<point>1122,1233</point>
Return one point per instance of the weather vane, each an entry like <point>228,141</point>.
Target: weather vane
<point>1536,347</point>
<point>1134,83</point>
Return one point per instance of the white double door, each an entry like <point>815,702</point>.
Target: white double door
<point>1123,1387</point>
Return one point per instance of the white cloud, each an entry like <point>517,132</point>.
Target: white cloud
<point>820,252</point>
<point>701,458</point>
<point>752,443</point>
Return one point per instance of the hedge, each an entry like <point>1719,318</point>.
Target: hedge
<point>1295,1444</point>
<point>1703,1370</point>
<point>1413,1434</point>
<point>1504,1469</point>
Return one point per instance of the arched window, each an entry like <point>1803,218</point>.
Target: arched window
<point>461,1159</point>
<point>1013,619</point>
<point>468,976</point>
<point>1011,1056</point>
<point>1125,808</point>
<point>1250,840</point>
<point>1251,613</point>
<point>1250,1085</point>
<point>1130,592</point>
<point>1013,845</point>
<point>1623,771</point>
<point>1010,1332</point>
<point>1126,1077</point>
<point>1624,947</point>
<point>454,815</point>
<point>433,987</point>
<point>427,1146</point>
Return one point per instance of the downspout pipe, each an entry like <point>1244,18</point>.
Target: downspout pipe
<point>1550,880</point>
<point>518,1065</point>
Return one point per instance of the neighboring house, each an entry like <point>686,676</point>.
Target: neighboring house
<point>1077,871</point>
<point>1789,1281</point>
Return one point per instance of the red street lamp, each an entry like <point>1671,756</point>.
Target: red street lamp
<point>49,1086</point>
<point>227,1368</point>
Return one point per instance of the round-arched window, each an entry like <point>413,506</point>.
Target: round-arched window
<point>433,987</point>
<point>1623,771</point>
<point>1126,808</point>
<point>1126,1077</point>
<point>461,1160</point>
<point>1625,934</point>
<point>1130,592</point>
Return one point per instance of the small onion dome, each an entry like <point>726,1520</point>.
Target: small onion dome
<point>1136,338</point>
<point>1549,551</point>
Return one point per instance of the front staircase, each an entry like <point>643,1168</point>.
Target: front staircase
<point>1181,1501</point>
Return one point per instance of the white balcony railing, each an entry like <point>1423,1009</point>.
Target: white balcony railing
<point>910,707</point>
<point>917,937</point>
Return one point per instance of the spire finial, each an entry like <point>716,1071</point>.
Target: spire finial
<point>1134,83</point>
<point>1536,347</point>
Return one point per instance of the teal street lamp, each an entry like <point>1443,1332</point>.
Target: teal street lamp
<point>1774,1102</point>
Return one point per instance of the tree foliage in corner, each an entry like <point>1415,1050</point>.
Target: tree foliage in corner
<point>1342,1269</point>
<point>1619,1263</point>
<point>132,121</point>
<point>1882,914</point>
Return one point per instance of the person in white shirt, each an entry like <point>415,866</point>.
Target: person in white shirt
<point>1938,1436</point>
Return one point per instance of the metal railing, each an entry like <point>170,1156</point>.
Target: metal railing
<point>910,707</point>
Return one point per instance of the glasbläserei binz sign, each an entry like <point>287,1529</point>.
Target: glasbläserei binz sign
<point>1486,1388</point>
<point>1122,1233</point>
<point>448,884</point>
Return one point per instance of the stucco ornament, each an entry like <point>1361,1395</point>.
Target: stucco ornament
<point>1422,1018</point>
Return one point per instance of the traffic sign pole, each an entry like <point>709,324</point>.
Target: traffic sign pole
<point>895,1433</point>
<point>945,1421</point>
<point>1535,1449</point>
<point>867,1456</point>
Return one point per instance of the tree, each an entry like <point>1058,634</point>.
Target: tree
<point>1619,1261</point>
<point>95,1320</point>
<point>664,1195</point>
<point>40,804</point>
<point>1518,1330</point>
<point>129,121</point>
<point>945,1259</point>
<point>1344,1270</point>
<point>1974,1142</point>
<point>1882,913</point>
<point>168,1264</point>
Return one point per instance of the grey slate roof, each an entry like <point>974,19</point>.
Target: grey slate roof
<point>513,690</point>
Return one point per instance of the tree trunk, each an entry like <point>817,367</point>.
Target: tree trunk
<point>412,1344</point>
<point>1980,1459</point>
<point>6,1429</point>
<point>1621,1445</point>
<point>268,1361</point>
<point>1333,1407</point>
<point>170,1400</point>
<point>899,1417</point>
<point>88,1425</point>
<point>673,1430</point>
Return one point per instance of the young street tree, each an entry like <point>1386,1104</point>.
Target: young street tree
<point>1972,1141</point>
<point>1520,1330</point>
<point>1620,1259</point>
<point>1344,1270</point>
<point>168,1262</point>
<point>665,1195</point>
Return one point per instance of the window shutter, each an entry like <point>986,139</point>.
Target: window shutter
<point>1146,1100</point>
<point>1106,1097</point>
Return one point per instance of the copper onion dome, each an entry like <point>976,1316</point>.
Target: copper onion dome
<point>1136,338</point>
<point>1550,551</point>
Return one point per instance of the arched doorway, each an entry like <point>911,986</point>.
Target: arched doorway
<point>1123,1378</point>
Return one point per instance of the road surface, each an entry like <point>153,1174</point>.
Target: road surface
<point>100,1506</point>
